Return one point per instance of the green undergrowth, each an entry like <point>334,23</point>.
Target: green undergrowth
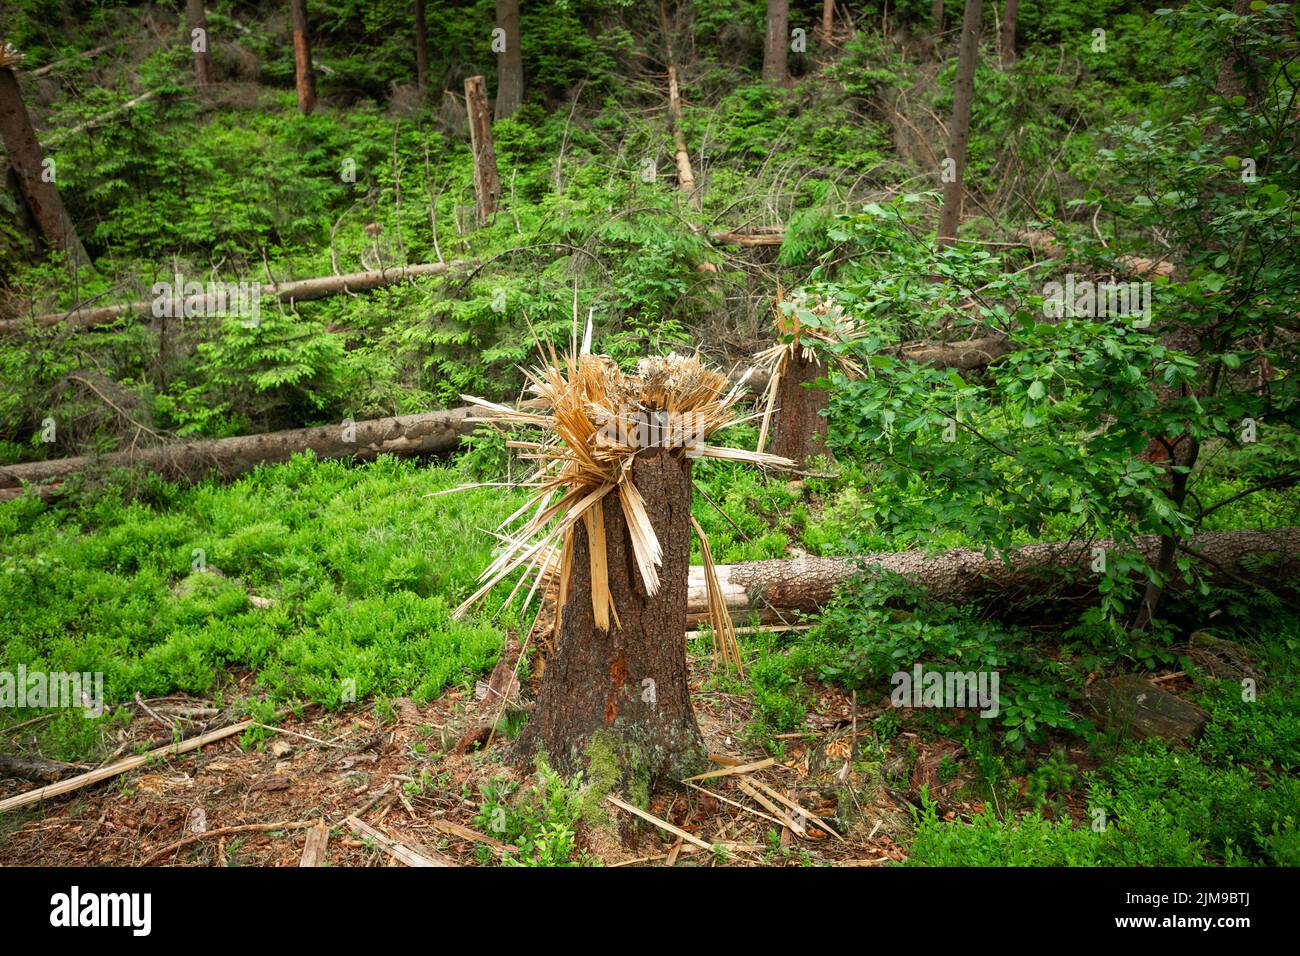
<point>357,569</point>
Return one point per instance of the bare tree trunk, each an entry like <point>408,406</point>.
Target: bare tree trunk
<point>204,74</point>
<point>36,176</point>
<point>777,41</point>
<point>421,49</point>
<point>828,20</point>
<point>936,14</point>
<point>304,75</point>
<point>510,60</point>
<point>625,690</point>
<point>487,181</point>
<point>422,434</point>
<point>800,428</point>
<point>959,129</point>
<point>300,290</point>
<point>1007,37</point>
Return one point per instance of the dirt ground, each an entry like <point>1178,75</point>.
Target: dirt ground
<point>401,776</point>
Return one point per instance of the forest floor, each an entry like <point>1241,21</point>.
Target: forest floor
<point>400,774</point>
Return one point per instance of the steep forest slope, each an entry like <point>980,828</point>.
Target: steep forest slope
<point>1101,356</point>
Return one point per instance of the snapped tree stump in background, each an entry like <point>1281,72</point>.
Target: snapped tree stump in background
<point>799,430</point>
<point>487,181</point>
<point>303,74</point>
<point>626,689</point>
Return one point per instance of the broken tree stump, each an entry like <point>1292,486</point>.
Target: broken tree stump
<point>626,688</point>
<point>487,181</point>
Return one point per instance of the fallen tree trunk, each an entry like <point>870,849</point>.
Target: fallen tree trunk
<point>422,434</point>
<point>963,575</point>
<point>685,173</point>
<point>58,136</point>
<point>759,238</point>
<point>968,354</point>
<point>300,290</point>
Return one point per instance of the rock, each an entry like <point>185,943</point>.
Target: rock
<point>281,749</point>
<point>1134,707</point>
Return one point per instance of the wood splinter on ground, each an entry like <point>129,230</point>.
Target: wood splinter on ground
<point>395,849</point>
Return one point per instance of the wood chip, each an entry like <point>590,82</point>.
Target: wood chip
<point>313,851</point>
<point>728,771</point>
<point>799,811</point>
<point>398,851</point>
<point>753,793</point>
<point>661,824</point>
<point>465,833</point>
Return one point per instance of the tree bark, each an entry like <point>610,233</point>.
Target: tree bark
<point>936,14</point>
<point>421,49</point>
<point>304,75</point>
<point>487,181</point>
<point>421,434</point>
<point>1007,36</point>
<point>799,430</point>
<point>204,74</point>
<point>625,690</point>
<point>963,575</point>
<point>301,290</point>
<point>776,42</point>
<point>510,61</point>
<point>959,128</point>
<point>36,179</point>
<point>828,21</point>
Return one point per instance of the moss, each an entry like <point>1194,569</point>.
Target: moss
<point>602,776</point>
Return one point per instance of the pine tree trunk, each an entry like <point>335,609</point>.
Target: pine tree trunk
<point>487,181</point>
<point>936,14</point>
<point>1007,37</point>
<point>36,180</point>
<point>510,61</point>
<point>421,49</point>
<point>204,74</point>
<point>799,430</point>
<point>304,75</point>
<point>959,128</point>
<point>626,690</point>
<point>776,42</point>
